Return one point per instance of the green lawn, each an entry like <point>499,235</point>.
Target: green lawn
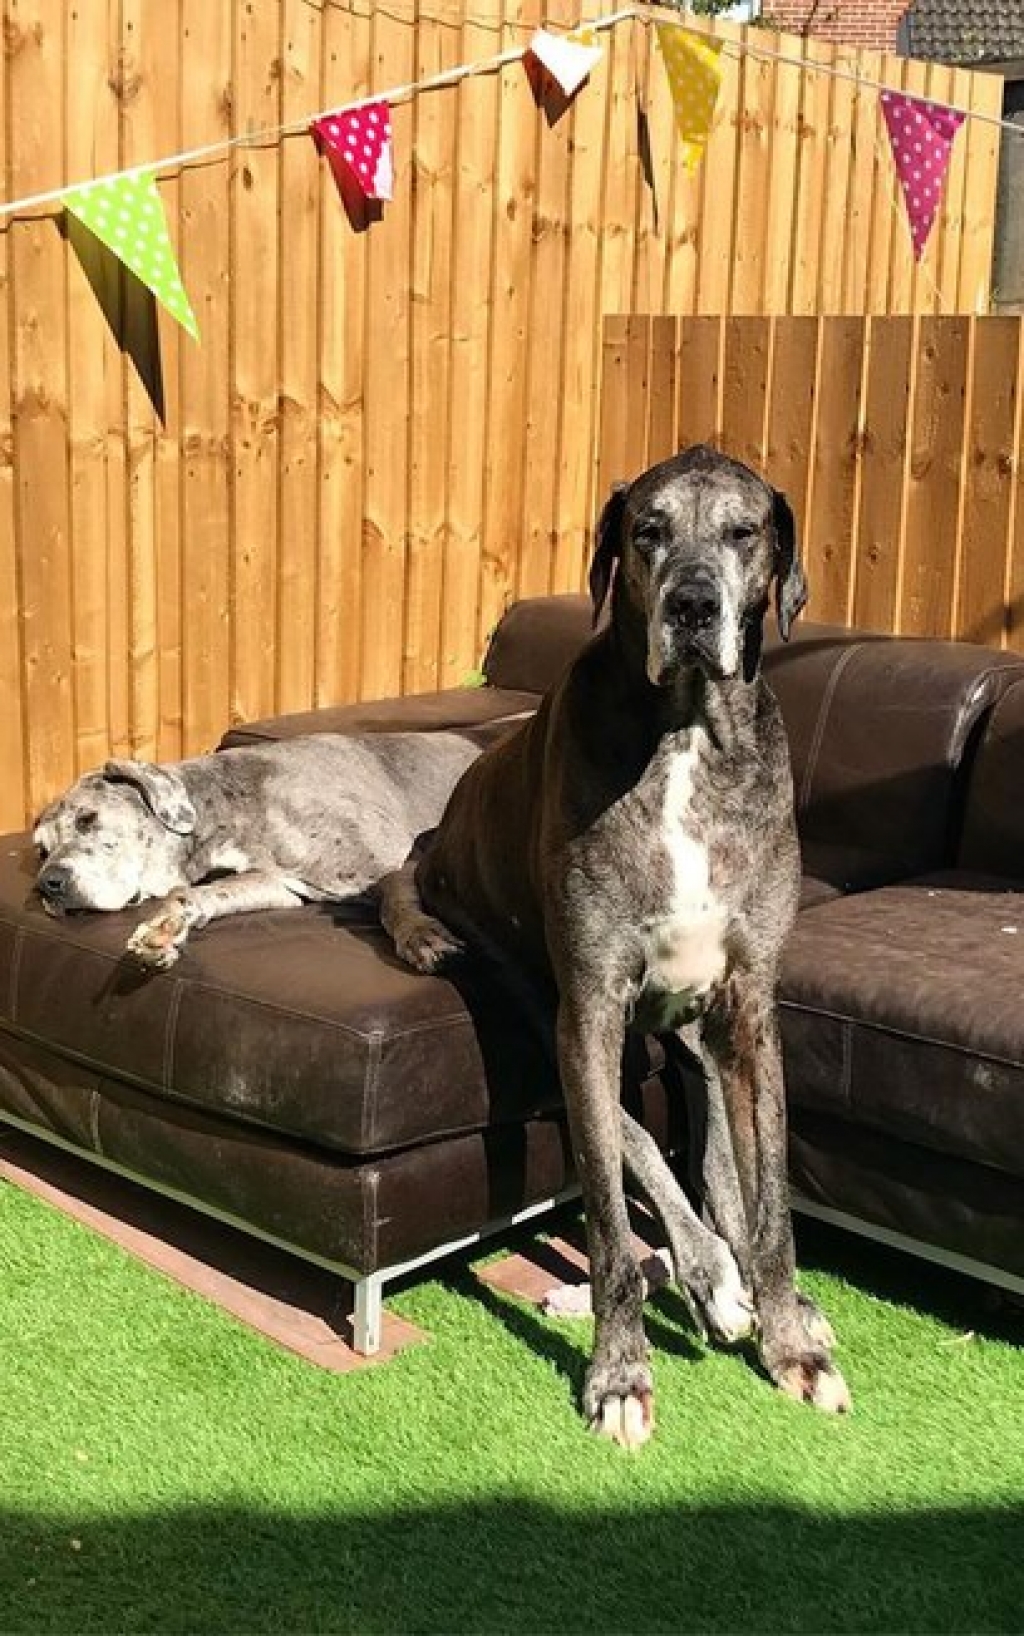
<point>165,1469</point>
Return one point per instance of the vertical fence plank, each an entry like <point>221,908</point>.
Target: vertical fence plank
<point>432,227</point>
<point>160,55</point>
<point>341,463</point>
<point>513,207</point>
<point>299,342</point>
<point>810,180</point>
<point>988,464</point>
<point>887,400</point>
<point>662,438</point>
<point>836,467</point>
<point>782,183</point>
<point>99,584</point>
<point>545,330</point>
<point>36,54</point>
<point>981,140</point>
<point>256,294</point>
<point>933,499</point>
<point>747,362</point>
<point>753,185</point>
<point>13,784</point>
<point>142,130</point>
<point>863,156</point>
<point>577,499</point>
<point>836,191</point>
<point>699,382</point>
<point>613,433</point>
<point>387,387</point>
<point>717,221</point>
<point>790,441</point>
<point>206,57</point>
<point>474,326</point>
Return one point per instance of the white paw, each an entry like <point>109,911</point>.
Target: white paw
<point>157,943</point>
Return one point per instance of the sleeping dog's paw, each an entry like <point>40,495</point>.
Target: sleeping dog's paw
<point>426,944</point>
<point>157,942</point>
<point>618,1401</point>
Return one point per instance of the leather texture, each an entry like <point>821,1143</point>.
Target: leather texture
<point>901,1011</point>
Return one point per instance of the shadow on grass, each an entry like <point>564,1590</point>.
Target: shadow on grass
<point>513,1565</point>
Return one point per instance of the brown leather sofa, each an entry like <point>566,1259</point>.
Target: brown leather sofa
<point>291,1077</point>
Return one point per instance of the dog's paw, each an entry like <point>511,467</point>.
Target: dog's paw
<point>157,943</point>
<point>728,1306</point>
<point>618,1401</point>
<point>427,944</point>
<point>803,1371</point>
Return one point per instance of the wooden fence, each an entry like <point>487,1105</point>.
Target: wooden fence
<point>897,440</point>
<point>384,435</point>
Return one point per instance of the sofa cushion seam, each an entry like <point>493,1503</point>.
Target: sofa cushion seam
<point>901,1033</point>
<point>822,721</point>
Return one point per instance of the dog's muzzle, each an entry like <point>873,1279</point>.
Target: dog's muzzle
<point>687,631</point>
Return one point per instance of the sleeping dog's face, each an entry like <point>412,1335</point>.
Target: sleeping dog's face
<point>697,542</point>
<point>114,839</point>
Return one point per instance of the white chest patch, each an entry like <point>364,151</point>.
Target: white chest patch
<point>685,951</point>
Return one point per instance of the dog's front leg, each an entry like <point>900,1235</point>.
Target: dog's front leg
<point>743,1038</point>
<point>158,941</point>
<point>618,1393</point>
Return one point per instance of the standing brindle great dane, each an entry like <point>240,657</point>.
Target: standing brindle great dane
<point>634,846</point>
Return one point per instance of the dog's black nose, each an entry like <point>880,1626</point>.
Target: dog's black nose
<point>696,606</point>
<point>53,884</point>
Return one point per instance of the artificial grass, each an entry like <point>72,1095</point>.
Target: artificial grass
<point>166,1470</point>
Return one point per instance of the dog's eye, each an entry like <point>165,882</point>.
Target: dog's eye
<point>85,821</point>
<point>647,536</point>
<point>744,531</point>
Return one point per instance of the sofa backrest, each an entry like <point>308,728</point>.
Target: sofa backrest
<point>878,729</point>
<point>535,640</point>
<point>992,840</point>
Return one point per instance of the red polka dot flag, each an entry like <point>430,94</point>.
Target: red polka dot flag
<point>921,135</point>
<point>360,139</point>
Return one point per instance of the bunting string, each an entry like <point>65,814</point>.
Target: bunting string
<point>271,134</point>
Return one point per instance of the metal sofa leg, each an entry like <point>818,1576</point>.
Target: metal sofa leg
<point>368,1314</point>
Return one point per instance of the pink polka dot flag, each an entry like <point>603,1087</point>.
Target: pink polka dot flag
<point>921,135</point>
<point>360,138</point>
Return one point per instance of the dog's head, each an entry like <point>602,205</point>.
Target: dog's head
<point>113,839</point>
<point>695,546</point>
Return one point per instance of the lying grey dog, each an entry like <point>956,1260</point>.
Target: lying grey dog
<point>319,818</point>
<point>632,850</point>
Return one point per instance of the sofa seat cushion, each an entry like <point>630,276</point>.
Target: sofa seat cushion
<point>294,1020</point>
<point>901,1011</point>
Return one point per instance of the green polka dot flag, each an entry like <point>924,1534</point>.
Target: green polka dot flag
<point>127,214</point>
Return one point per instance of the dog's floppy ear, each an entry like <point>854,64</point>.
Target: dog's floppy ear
<point>790,582</point>
<point>162,790</point>
<point>609,547</point>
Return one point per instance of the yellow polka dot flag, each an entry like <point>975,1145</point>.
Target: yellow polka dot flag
<point>126,213</point>
<point>694,75</point>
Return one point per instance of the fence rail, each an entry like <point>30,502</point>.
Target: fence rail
<point>383,436</point>
<point>897,440</point>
